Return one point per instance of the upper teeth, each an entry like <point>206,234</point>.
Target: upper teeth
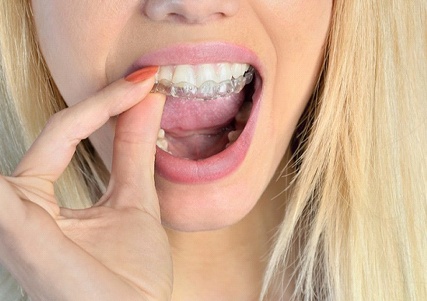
<point>199,74</point>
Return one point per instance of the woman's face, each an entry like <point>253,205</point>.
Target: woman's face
<point>205,179</point>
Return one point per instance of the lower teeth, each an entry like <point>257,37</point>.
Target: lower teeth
<point>209,90</point>
<point>162,143</point>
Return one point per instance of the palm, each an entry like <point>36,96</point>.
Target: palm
<point>129,242</point>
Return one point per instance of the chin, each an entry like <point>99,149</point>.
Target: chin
<point>206,207</point>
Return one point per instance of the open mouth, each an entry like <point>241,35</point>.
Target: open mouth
<point>207,108</point>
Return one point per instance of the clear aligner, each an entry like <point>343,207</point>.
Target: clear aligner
<point>208,90</point>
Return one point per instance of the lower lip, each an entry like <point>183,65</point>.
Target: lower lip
<point>213,168</point>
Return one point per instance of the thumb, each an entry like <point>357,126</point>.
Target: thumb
<point>132,174</point>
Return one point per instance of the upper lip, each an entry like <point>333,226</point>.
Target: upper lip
<point>199,53</point>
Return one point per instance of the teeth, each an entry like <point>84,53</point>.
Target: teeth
<point>200,74</point>
<point>165,73</point>
<point>207,73</point>
<point>245,111</point>
<point>161,142</point>
<point>234,135</point>
<point>238,69</point>
<point>203,82</point>
<point>161,134</point>
<point>224,71</point>
<point>184,74</point>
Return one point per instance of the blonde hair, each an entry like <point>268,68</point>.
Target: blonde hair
<point>358,211</point>
<point>28,98</point>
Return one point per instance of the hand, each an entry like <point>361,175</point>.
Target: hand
<point>116,250</point>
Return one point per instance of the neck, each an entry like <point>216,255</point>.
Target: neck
<point>227,264</point>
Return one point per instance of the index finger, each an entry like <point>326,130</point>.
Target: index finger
<point>52,151</point>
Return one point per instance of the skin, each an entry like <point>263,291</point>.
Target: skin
<point>88,45</point>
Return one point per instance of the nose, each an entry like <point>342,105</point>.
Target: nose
<point>190,11</point>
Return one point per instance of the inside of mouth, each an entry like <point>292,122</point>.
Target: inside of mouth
<point>199,145</point>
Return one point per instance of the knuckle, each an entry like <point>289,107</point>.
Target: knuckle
<point>54,120</point>
<point>131,138</point>
<point>66,125</point>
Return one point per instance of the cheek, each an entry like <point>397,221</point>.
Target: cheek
<point>298,34</point>
<point>75,38</point>
<point>298,30</point>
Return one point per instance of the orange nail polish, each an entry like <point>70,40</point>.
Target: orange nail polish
<point>142,74</point>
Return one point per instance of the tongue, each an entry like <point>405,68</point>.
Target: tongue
<point>198,146</point>
<point>192,115</point>
<point>198,129</point>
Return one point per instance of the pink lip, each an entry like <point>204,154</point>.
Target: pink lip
<point>224,163</point>
<point>194,54</point>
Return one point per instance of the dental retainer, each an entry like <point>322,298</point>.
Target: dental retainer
<point>208,90</point>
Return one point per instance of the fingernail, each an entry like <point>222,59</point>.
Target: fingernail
<point>142,74</point>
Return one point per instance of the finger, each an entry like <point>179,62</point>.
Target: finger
<point>132,175</point>
<point>52,151</point>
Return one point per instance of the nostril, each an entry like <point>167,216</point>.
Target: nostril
<point>192,19</point>
<point>184,18</point>
<point>190,11</point>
